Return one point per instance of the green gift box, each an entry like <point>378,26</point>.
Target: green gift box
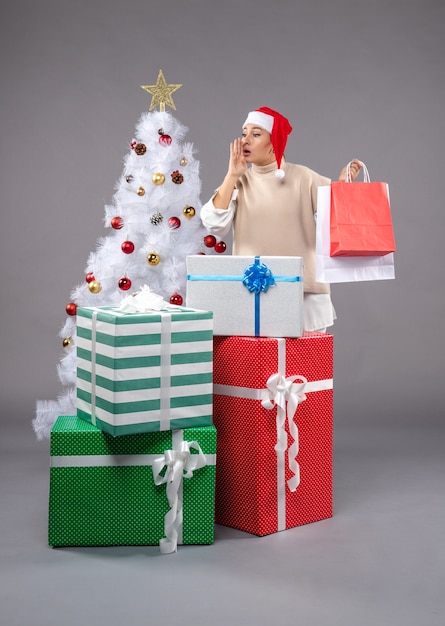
<point>145,371</point>
<point>139,489</point>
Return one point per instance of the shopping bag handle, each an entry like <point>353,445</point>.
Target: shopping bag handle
<point>348,178</point>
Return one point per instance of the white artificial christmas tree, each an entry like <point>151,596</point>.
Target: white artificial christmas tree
<point>153,224</point>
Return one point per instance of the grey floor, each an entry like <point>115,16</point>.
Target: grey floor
<point>379,561</point>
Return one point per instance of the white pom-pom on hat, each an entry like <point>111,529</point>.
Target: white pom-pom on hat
<point>279,128</point>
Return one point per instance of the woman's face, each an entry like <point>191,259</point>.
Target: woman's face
<point>257,146</point>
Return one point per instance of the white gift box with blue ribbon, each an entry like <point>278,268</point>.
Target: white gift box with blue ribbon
<point>253,296</point>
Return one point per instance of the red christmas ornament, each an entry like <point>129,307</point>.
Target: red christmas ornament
<point>165,140</point>
<point>71,308</point>
<point>117,223</point>
<point>174,222</point>
<point>176,299</point>
<point>209,241</point>
<point>89,277</point>
<point>124,283</point>
<point>127,247</point>
<point>220,247</point>
<point>133,144</point>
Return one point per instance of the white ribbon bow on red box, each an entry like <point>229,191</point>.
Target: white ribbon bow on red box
<point>285,393</point>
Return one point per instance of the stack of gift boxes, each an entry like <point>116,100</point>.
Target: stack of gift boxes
<point>160,392</point>
<point>136,466</point>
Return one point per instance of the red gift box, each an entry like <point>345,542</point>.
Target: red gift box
<point>273,411</point>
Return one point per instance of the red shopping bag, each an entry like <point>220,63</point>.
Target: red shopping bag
<point>361,223</point>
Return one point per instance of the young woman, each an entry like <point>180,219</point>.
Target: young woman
<point>271,205</point>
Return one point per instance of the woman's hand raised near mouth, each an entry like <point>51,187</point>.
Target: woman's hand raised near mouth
<point>237,162</point>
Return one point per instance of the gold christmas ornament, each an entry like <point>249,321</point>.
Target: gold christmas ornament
<point>158,178</point>
<point>141,191</point>
<point>67,342</point>
<point>94,286</point>
<point>161,92</point>
<point>189,211</point>
<point>183,161</point>
<point>153,258</point>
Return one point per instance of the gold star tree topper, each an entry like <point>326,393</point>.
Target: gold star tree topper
<point>161,92</point>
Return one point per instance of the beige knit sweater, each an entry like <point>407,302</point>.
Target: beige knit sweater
<point>272,217</point>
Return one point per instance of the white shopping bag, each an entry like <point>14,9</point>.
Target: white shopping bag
<point>344,269</point>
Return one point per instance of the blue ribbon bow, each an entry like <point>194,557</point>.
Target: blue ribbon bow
<point>258,277</point>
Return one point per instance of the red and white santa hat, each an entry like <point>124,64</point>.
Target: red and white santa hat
<point>279,128</point>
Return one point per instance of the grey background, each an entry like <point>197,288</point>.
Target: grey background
<point>355,78</point>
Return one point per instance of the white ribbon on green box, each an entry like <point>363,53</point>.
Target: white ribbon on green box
<point>285,394</point>
<point>144,371</point>
<point>179,463</point>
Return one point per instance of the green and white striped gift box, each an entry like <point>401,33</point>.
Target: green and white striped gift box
<point>144,372</point>
<point>103,493</point>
